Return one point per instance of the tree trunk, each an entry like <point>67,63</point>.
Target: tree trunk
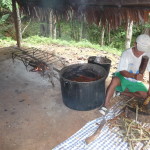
<point>102,36</point>
<point>129,34</point>
<point>81,28</point>
<point>81,31</point>
<point>71,26</point>
<point>51,24</point>
<point>54,27</point>
<point>75,30</point>
<point>109,33</point>
<point>59,30</point>
<point>17,22</point>
<point>43,30</point>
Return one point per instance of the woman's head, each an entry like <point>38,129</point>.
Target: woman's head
<point>143,43</point>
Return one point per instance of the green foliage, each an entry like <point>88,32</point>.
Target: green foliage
<point>147,25</point>
<point>93,33</point>
<point>6,28</point>
<point>6,41</point>
<point>6,4</point>
<point>117,38</point>
<point>137,30</point>
<point>4,18</point>
<point>38,40</point>
<point>65,31</point>
<point>70,33</point>
<point>32,30</point>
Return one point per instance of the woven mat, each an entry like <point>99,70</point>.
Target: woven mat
<point>107,140</point>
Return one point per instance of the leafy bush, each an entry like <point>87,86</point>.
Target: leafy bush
<point>93,33</point>
<point>6,41</point>
<point>38,40</point>
<point>6,4</point>
<point>6,26</point>
<point>4,18</point>
<point>32,30</point>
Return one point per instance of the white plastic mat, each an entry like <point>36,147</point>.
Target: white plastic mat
<point>107,140</point>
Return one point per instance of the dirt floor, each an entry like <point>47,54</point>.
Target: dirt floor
<point>32,113</point>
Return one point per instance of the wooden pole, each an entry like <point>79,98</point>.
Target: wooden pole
<point>129,34</point>
<point>16,22</point>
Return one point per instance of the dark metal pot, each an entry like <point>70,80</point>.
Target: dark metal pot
<point>83,95</point>
<point>102,61</point>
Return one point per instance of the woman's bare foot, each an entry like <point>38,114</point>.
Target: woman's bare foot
<point>107,105</point>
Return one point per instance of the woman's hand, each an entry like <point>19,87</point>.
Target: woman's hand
<point>132,75</point>
<point>139,77</point>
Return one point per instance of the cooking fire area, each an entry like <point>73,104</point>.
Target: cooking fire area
<point>32,113</point>
<point>45,103</point>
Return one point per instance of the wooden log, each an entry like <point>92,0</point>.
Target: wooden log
<point>143,64</point>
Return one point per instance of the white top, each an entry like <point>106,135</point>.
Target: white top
<point>131,63</point>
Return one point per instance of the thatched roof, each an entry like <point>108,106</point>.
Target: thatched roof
<point>112,12</point>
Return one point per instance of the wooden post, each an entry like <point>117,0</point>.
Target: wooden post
<point>54,27</point>
<point>51,24</point>
<point>102,36</point>
<point>16,22</point>
<point>129,34</point>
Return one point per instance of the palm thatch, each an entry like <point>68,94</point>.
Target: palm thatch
<point>110,12</point>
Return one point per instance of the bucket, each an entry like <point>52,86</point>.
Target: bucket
<point>102,61</point>
<point>83,86</point>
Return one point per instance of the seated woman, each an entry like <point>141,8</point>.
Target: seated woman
<point>127,79</point>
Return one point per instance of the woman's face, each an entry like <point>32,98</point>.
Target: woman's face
<point>139,52</point>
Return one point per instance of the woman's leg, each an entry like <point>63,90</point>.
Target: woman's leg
<point>111,89</point>
<point>139,94</point>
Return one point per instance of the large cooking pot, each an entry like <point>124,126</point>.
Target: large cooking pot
<point>83,95</point>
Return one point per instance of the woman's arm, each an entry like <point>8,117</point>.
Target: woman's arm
<point>132,75</point>
<point>127,74</point>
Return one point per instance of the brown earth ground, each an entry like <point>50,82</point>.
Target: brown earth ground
<point>32,113</point>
